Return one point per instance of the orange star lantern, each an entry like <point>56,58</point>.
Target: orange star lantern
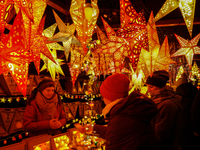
<point>14,57</point>
<point>188,48</point>
<point>84,26</point>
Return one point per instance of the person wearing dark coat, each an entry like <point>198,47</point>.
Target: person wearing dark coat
<point>169,108</point>
<point>129,116</point>
<point>187,91</point>
<point>195,117</point>
<point>44,113</point>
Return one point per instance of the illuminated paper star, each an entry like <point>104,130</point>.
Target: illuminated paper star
<point>187,8</point>
<point>149,57</point>
<point>188,48</point>
<point>163,59</point>
<point>133,29</point>
<point>66,35</point>
<point>40,43</point>
<point>51,66</point>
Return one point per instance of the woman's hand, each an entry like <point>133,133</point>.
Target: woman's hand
<point>55,124</point>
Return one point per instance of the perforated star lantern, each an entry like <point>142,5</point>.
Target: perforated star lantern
<point>65,35</point>
<point>84,27</point>
<point>188,48</point>
<point>37,8</point>
<point>14,57</point>
<point>149,57</point>
<point>52,67</point>
<point>163,59</point>
<point>187,8</point>
<point>116,47</point>
<point>133,29</point>
<point>40,44</point>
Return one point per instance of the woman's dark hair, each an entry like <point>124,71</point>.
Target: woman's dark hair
<point>35,90</point>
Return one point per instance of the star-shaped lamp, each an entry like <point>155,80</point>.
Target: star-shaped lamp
<point>66,35</point>
<point>188,48</point>
<point>187,8</point>
<point>51,66</point>
<point>163,59</point>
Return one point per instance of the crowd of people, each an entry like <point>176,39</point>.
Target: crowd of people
<point>168,119</point>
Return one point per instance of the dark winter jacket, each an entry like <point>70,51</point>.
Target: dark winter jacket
<point>169,109</point>
<point>129,126</point>
<point>35,124</point>
<point>186,134</point>
<point>195,113</point>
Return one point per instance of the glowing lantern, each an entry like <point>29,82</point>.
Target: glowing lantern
<point>188,48</point>
<point>187,8</point>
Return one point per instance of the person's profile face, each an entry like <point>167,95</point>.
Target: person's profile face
<point>48,92</point>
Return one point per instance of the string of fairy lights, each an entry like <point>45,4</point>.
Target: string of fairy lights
<point>63,97</point>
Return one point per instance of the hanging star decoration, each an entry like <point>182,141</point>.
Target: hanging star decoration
<point>133,29</point>
<point>37,9</point>
<point>149,57</point>
<point>188,48</point>
<point>84,27</point>
<point>163,59</point>
<point>187,8</point>
<point>14,56</point>
<point>52,67</point>
<point>40,43</point>
<point>114,47</point>
<point>65,35</point>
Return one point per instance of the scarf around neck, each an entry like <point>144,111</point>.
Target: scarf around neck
<point>47,106</point>
<point>164,93</point>
<point>108,107</point>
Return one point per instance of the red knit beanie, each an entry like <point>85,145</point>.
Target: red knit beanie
<point>115,87</point>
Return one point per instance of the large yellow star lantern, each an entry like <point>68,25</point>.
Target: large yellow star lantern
<point>52,67</point>
<point>188,48</point>
<point>149,57</point>
<point>163,59</point>
<point>84,26</point>
<point>187,8</point>
<point>66,35</point>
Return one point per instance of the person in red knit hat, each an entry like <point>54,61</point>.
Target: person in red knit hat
<point>44,113</point>
<point>128,116</point>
